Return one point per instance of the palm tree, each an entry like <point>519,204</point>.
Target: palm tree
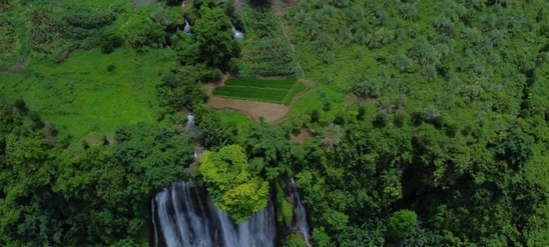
<point>332,135</point>
<point>409,11</point>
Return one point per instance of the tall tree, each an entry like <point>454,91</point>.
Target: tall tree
<point>215,39</point>
<point>231,183</point>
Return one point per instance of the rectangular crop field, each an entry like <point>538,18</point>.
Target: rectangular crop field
<point>274,91</point>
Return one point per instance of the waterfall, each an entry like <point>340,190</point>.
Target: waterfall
<point>237,34</point>
<point>301,217</point>
<point>154,225</point>
<point>187,28</point>
<point>187,220</point>
<point>189,126</point>
<point>167,222</point>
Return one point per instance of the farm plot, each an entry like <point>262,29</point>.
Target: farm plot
<point>275,91</point>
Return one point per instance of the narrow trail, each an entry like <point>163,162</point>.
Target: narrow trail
<point>280,10</point>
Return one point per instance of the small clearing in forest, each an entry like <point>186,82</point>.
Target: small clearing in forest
<point>301,136</point>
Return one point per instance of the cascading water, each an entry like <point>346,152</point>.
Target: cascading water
<point>186,222</point>
<point>189,126</point>
<point>301,217</point>
<point>187,28</point>
<point>154,225</point>
<point>237,34</point>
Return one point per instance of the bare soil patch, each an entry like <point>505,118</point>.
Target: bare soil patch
<point>239,4</point>
<point>17,66</point>
<point>210,86</point>
<point>66,53</point>
<point>351,99</point>
<point>272,113</point>
<point>300,137</point>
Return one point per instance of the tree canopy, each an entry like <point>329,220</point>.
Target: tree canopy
<point>231,184</point>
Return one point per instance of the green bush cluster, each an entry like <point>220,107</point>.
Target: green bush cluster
<point>52,28</point>
<point>265,51</point>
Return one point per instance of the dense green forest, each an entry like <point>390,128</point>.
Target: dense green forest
<point>424,122</point>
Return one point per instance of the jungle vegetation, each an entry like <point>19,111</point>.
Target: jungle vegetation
<point>427,126</point>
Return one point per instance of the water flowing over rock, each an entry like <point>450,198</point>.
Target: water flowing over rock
<point>187,28</point>
<point>189,218</point>
<point>189,126</point>
<point>237,34</point>
<point>301,217</point>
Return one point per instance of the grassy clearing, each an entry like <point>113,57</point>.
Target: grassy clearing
<point>241,121</point>
<point>83,98</point>
<point>274,91</point>
<point>296,88</point>
<point>313,100</point>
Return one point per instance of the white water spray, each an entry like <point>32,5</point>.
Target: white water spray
<point>187,28</point>
<point>189,126</point>
<point>154,225</point>
<point>185,222</point>
<point>237,34</point>
<point>301,217</point>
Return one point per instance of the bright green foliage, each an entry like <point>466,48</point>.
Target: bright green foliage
<point>294,240</point>
<point>298,87</point>
<point>82,96</point>
<point>268,150</point>
<point>402,223</point>
<point>231,183</point>
<point>214,38</point>
<point>215,131</point>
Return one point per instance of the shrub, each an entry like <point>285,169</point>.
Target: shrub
<point>381,119</point>
<point>21,106</point>
<point>367,89</point>
<point>315,116</point>
<point>109,43</point>
<point>52,129</point>
<point>400,117</point>
<point>111,67</point>
<point>361,112</point>
<point>402,223</point>
<point>430,113</point>
<point>402,62</point>
<point>417,118</point>
<point>34,116</point>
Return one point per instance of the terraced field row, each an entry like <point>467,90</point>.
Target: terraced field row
<point>274,91</point>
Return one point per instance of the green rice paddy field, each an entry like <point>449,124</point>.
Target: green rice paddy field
<point>274,91</point>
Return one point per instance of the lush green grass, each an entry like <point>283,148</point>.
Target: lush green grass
<point>252,82</point>
<point>313,101</point>
<point>81,96</point>
<point>296,88</point>
<point>274,91</point>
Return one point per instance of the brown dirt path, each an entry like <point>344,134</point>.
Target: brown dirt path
<point>280,9</point>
